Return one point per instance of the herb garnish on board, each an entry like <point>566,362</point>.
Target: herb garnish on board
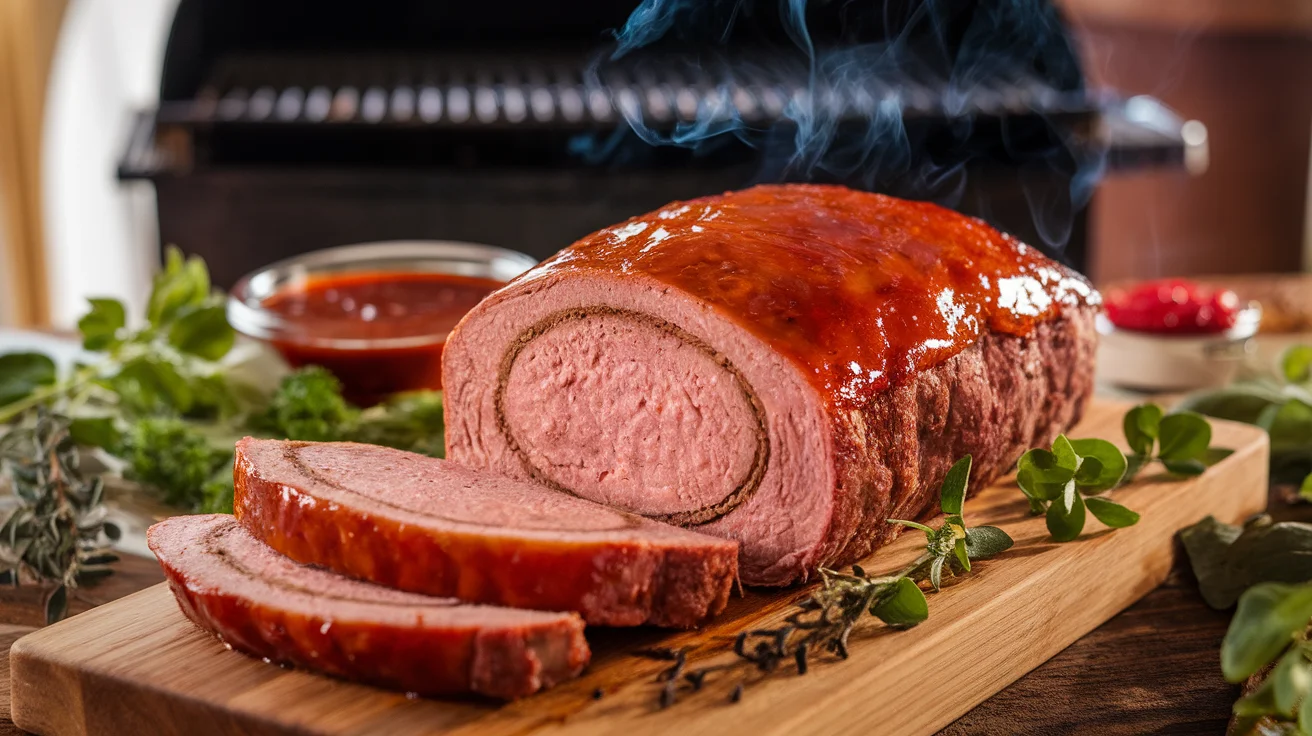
<point>56,531</point>
<point>170,398</point>
<point>822,623</point>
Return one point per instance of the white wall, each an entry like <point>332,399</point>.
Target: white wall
<point>100,235</point>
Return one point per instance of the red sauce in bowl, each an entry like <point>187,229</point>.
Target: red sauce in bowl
<point>379,332</point>
<point>1173,307</point>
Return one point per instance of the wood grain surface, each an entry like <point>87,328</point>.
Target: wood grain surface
<point>137,664</point>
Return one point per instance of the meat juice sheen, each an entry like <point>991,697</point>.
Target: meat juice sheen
<point>378,332</point>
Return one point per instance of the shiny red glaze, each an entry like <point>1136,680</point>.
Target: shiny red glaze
<point>1173,306</point>
<point>861,289</point>
<point>378,332</point>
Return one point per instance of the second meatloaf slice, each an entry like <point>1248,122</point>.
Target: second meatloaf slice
<point>429,526</point>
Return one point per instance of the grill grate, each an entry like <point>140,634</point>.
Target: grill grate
<point>552,92</point>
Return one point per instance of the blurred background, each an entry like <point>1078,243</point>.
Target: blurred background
<point>1132,139</point>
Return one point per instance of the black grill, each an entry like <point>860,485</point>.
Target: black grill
<point>285,127</point>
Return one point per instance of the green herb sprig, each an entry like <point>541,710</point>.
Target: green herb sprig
<point>56,533</point>
<point>824,621</point>
<point>1180,441</point>
<point>1278,401</point>
<point>1064,484</point>
<point>1228,559</point>
<point>1270,627</point>
<point>169,399</point>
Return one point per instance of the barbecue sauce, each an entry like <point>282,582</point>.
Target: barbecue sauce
<point>378,332</point>
<point>861,289</point>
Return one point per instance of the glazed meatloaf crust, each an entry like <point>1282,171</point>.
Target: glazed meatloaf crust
<point>261,603</point>
<point>430,526</point>
<point>788,366</point>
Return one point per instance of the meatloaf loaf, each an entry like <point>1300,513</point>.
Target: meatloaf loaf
<point>788,366</point>
<point>430,526</point>
<point>261,603</point>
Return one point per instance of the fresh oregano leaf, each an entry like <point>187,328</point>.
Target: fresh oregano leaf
<point>1087,475</point>
<point>936,572</point>
<point>1268,618</point>
<point>100,326</point>
<point>1043,466</point>
<point>181,283</point>
<point>203,331</point>
<point>1111,465</point>
<point>1184,436</point>
<point>1065,454</point>
<point>1291,680</point>
<point>1111,513</point>
<point>23,373</point>
<point>952,495</point>
<point>1260,702</point>
<point>904,607</point>
<point>1066,525</point>
<point>1038,490</point>
<point>1296,363</point>
<point>1133,464</point>
<point>1141,425</point>
<point>96,431</point>
<point>1305,490</point>
<point>983,542</point>
<point>963,556</point>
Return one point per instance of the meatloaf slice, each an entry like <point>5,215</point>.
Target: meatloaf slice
<point>430,526</point>
<point>261,603</point>
<point>787,366</point>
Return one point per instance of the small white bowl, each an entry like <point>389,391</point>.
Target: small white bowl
<point>1147,361</point>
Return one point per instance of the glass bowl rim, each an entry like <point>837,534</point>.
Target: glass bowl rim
<point>248,316</point>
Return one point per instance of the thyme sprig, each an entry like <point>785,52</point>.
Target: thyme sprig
<point>823,622</point>
<point>56,532</point>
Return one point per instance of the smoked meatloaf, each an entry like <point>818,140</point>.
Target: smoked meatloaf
<point>261,603</point>
<point>787,366</point>
<point>430,526</point>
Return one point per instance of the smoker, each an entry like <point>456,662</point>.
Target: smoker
<point>287,127</point>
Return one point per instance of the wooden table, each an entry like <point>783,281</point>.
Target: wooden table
<point>1153,668</point>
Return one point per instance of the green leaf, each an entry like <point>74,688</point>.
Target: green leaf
<point>963,557</point>
<point>95,431</point>
<point>1228,559</point>
<point>1066,525</point>
<point>936,572</point>
<point>23,373</point>
<point>1065,454</point>
<point>100,326</point>
<point>983,542</point>
<point>181,283</point>
<point>1305,490</point>
<point>952,496</point>
<point>1185,436</point>
<point>1296,363</point>
<point>148,385</point>
<point>57,604</point>
<point>1290,680</point>
<point>1111,464</point>
<point>1243,401</point>
<point>1035,489</point>
<point>1188,468</point>
<point>1111,513</point>
<point>1268,618</point>
<point>1039,466</point>
<point>1305,720</point>
<point>1290,427</point>
<point>1141,426</point>
<point>904,607</point>
<point>203,331</point>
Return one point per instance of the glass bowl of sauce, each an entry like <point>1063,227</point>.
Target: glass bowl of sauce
<point>376,315</point>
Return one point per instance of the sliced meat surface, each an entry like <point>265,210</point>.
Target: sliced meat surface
<point>261,603</point>
<point>786,366</point>
<point>431,526</point>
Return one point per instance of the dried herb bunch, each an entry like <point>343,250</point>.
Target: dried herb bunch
<point>823,622</point>
<point>56,531</point>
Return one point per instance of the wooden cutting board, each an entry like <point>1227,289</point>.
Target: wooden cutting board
<point>137,666</point>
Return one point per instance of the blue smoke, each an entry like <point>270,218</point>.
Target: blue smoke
<point>857,115</point>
